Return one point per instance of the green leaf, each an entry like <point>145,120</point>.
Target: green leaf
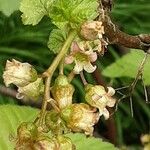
<point>127,66</point>
<point>11,116</point>
<point>34,10</point>
<point>84,143</point>
<point>73,12</point>
<point>56,40</point>
<point>9,6</point>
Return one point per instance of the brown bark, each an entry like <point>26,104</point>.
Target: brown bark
<point>115,36</point>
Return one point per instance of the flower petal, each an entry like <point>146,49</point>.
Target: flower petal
<point>89,67</point>
<point>111,102</point>
<point>93,57</point>
<point>19,73</point>
<point>111,91</point>
<point>75,47</point>
<point>78,67</point>
<point>106,113</point>
<point>69,59</point>
<point>33,90</point>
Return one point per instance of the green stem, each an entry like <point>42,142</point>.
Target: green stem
<point>71,76</point>
<point>46,97</point>
<point>61,67</point>
<point>61,54</point>
<point>49,73</point>
<point>83,78</point>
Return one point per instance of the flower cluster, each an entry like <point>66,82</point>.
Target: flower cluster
<point>71,117</point>
<point>76,117</point>
<point>25,77</point>
<point>29,138</point>
<point>84,52</point>
<point>65,116</point>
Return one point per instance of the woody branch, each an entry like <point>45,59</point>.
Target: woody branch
<point>115,36</point>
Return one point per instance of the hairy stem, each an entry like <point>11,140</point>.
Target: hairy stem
<point>83,78</point>
<point>71,75</point>
<point>49,73</point>
<point>46,97</point>
<point>61,54</point>
<point>61,67</point>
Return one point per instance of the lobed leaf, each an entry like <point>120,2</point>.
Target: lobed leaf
<point>34,10</point>
<point>10,118</point>
<point>56,40</point>
<point>9,6</point>
<point>73,12</point>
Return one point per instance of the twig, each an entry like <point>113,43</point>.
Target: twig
<point>133,84</point>
<point>131,106</point>
<point>145,91</point>
<point>139,73</point>
<point>107,4</point>
<point>115,36</point>
<point>118,37</point>
<point>121,88</point>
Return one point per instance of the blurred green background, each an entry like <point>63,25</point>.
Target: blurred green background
<point>29,44</point>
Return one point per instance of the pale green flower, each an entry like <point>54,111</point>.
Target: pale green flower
<point>45,143</point>
<point>19,73</point>
<point>80,118</point>
<point>97,96</point>
<point>82,59</point>
<point>33,90</point>
<point>62,91</point>
<point>65,143</point>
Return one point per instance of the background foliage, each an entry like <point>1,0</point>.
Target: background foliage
<point>29,44</point>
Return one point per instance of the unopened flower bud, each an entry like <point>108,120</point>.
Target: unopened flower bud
<point>65,143</point>
<point>26,134</point>
<point>46,143</point>
<point>24,146</point>
<point>33,90</point>
<point>19,73</point>
<point>26,131</point>
<point>92,30</point>
<point>62,91</point>
<point>54,122</point>
<point>80,118</point>
<point>97,96</point>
